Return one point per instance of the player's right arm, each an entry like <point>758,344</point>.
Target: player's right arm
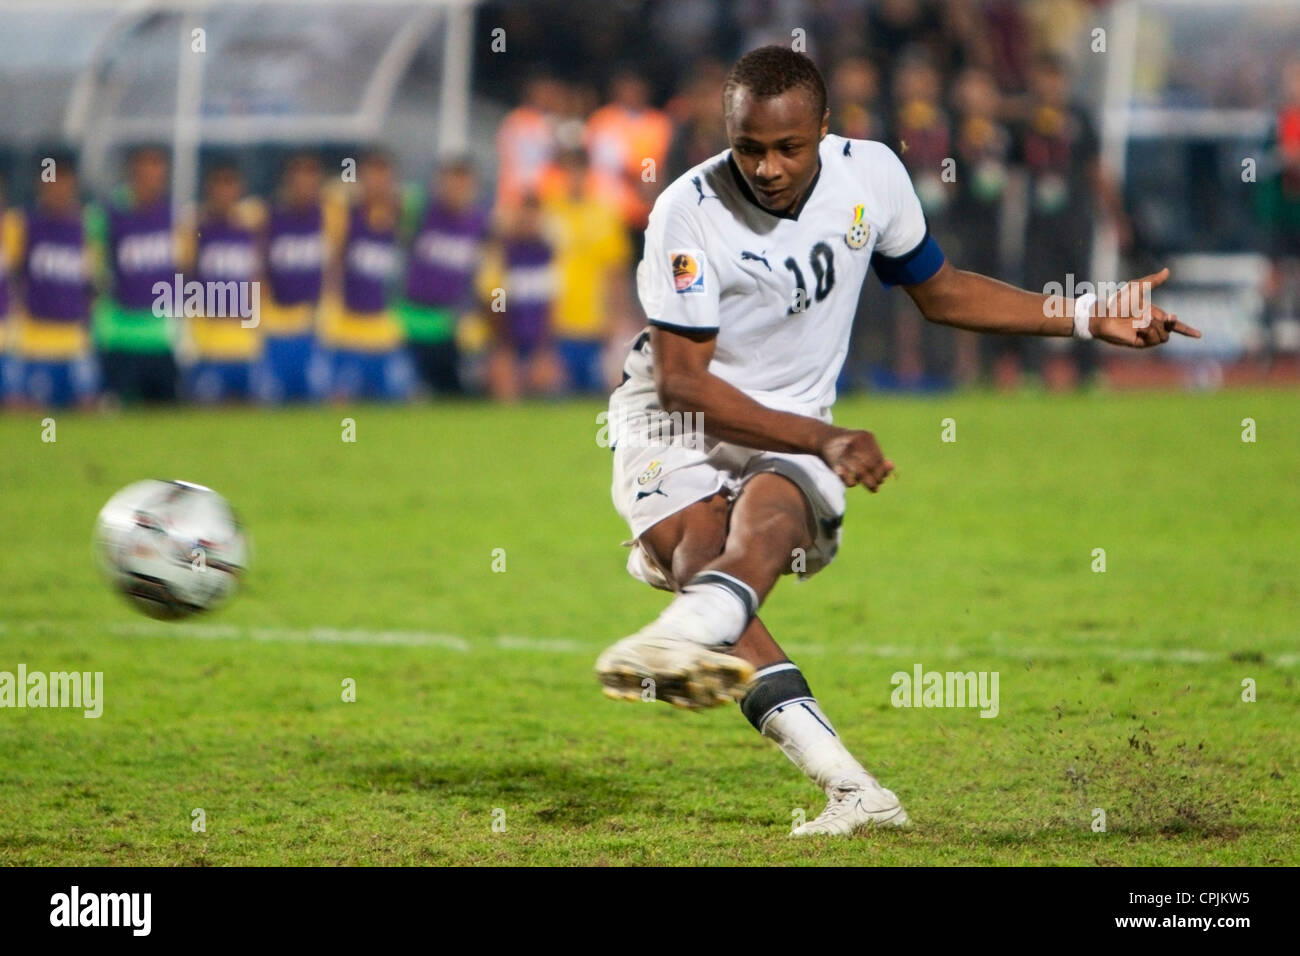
<point>685,384</point>
<point>679,291</point>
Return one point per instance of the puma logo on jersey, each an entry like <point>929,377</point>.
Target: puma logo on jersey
<point>656,490</point>
<point>747,256</point>
<point>699,188</point>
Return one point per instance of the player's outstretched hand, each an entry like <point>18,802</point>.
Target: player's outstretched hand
<point>856,458</point>
<point>1131,318</point>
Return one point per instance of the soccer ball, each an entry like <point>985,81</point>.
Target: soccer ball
<point>172,548</point>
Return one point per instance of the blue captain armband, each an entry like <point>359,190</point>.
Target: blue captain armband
<point>912,267</point>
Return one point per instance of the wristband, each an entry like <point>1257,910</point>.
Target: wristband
<point>1082,314</point>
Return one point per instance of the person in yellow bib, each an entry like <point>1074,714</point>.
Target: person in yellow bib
<point>592,256</point>
<point>51,363</point>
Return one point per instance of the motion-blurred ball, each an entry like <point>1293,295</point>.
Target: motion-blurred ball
<point>172,548</point>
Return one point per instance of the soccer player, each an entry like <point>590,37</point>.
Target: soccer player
<point>144,248</point>
<point>228,343</point>
<point>296,241</point>
<point>52,363</point>
<point>445,255</point>
<point>518,284</point>
<point>369,358</point>
<point>753,265</point>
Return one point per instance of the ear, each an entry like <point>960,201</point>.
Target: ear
<point>826,123</point>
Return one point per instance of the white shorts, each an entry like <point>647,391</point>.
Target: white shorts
<point>655,477</point>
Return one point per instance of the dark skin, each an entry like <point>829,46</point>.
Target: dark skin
<point>775,142</point>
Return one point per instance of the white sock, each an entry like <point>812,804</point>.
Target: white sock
<point>713,609</point>
<point>804,735</point>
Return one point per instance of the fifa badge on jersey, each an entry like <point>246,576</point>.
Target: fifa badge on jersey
<point>860,231</point>
<point>651,473</point>
<point>688,270</point>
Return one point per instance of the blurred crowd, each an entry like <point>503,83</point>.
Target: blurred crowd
<point>519,280</point>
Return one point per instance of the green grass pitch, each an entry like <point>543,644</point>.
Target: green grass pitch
<point>476,704</point>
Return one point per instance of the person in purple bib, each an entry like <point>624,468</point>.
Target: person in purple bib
<point>52,363</point>
<point>519,288</point>
<point>446,248</point>
<point>134,327</point>
<point>296,242</point>
<point>369,360</point>
<point>226,337</point>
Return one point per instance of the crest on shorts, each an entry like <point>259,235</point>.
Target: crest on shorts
<point>651,473</point>
<point>860,231</point>
<point>688,270</point>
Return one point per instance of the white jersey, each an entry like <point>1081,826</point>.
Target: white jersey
<point>780,290</point>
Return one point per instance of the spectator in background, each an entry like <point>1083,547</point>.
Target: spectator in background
<point>896,27</point>
<point>517,286</point>
<point>1006,34</point>
<point>526,139</point>
<point>144,249</point>
<point>627,141</point>
<point>855,100</point>
<point>227,347</point>
<point>982,150</point>
<point>300,231</point>
<point>446,251</point>
<point>923,140</point>
<point>368,360</point>
<point>592,256</point>
<point>1059,150</point>
<point>1057,28</point>
<point>51,363</point>
<point>1279,207</point>
<point>8,256</point>
<point>699,131</point>
<point>961,42</point>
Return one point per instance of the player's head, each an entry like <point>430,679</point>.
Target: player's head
<point>223,186</point>
<point>456,181</point>
<point>57,190</point>
<point>574,163</point>
<point>1050,80</point>
<point>525,220</point>
<point>629,89</point>
<point>543,92</point>
<point>916,80</point>
<point>301,179</point>
<point>975,92</point>
<point>147,169</point>
<point>855,81</point>
<point>1291,81</point>
<point>375,174</point>
<point>774,106</point>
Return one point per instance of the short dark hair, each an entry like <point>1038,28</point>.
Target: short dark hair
<point>223,164</point>
<point>770,71</point>
<point>65,159</point>
<point>141,150</point>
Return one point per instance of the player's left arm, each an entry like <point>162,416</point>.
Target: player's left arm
<point>968,300</point>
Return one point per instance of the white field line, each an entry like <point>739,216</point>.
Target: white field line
<point>462,644</point>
